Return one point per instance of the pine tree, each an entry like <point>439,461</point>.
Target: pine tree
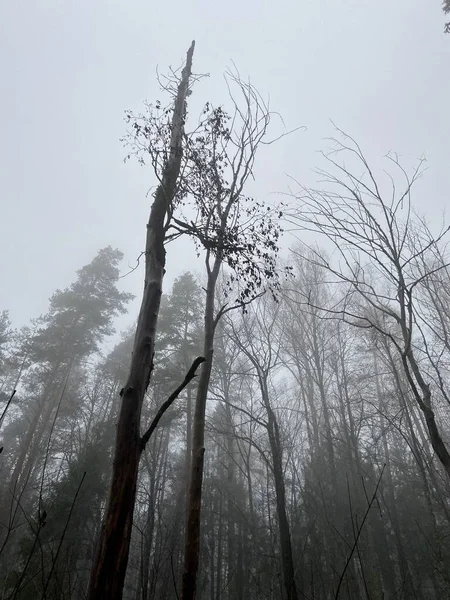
<point>446,9</point>
<point>6,335</point>
<point>179,328</point>
<point>81,316</point>
<point>73,329</point>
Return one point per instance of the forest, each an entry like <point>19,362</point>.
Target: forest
<point>272,425</point>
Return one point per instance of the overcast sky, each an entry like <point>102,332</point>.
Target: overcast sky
<point>380,70</point>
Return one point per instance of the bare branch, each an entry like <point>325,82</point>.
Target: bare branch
<point>170,400</point>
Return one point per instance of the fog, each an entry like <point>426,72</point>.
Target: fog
<point>379,71</point>
<point>320,398</point>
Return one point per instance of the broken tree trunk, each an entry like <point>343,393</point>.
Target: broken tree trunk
<point>110,564</point>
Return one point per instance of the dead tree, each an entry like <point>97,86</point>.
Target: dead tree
<point>108,572</point>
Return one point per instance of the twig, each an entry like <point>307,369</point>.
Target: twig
<point>62,536</point>
<point>244,303</point>
<point>358,534</point>
<point>132,269</point>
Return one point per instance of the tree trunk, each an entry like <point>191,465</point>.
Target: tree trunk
<point>156,469</point>
<point>232,502</point>
<point>280,492</point>
<point>424,402</point>
<point>45,403</point>
<point>192,544</point>
<point>108,573</point>
<point>414,375</point>
<point>188,431</point>
<point>276,451</point>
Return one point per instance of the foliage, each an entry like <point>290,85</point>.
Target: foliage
<point>81,315</point>
<point>446,9</point>
<point>218,160</point>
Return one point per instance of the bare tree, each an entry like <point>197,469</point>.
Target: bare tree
<point>379,244</point>
<point>256,339</point>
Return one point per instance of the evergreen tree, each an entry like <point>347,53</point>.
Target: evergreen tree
<point>446,9</point>
<point>81,316</point>
<point>77,322</point>
<point>5,336</point>
<point>179,328</point>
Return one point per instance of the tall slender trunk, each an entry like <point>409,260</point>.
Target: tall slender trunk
<point>280,492</point>
<point>415,426</point>
<point>420,388</point>
<point>232,502</point>
<point>188,430</point>
<point>395,521</point>
<point>156,476</point>
<point>25,446</point>
<point>276,450</point>
<point>318,360</point>
<point>12,496</point>
<point>192,544</point>
<point>219,590</point>
<point>243,563</point>
<point>110,564</point>
<point>147,542</point>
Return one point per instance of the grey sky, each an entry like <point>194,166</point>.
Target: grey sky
<point>380,70</point>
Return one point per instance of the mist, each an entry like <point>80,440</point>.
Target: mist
<point>225,317</point>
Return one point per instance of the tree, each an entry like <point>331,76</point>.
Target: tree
<point>179,338</point>
<point>385,258</point>
<point>235,231</point>
<point>179,328</point>
<point>80,316</point>
<point>446,9</point>
<point>256,340</point>
<point>5,336</point>
<point>78,320</point>
<point>108,573</point>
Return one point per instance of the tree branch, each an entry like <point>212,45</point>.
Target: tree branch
<point>358,534</point>
<point>225,308</point>
<point>173,396</point>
